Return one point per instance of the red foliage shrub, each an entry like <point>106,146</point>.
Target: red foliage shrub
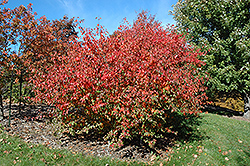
<point>125,84</point>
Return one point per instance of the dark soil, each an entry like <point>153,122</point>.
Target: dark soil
<point>226,112</point>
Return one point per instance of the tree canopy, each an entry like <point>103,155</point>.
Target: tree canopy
<point>223,29</point>
<point>26,41</point>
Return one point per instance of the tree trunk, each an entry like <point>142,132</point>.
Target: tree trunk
<point>246,106</point>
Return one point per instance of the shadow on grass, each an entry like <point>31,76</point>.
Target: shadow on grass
<point>187,127</point>
<point>243,161</point>
<point>184,128</point>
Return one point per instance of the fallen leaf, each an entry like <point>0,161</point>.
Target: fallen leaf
<point>42,159</point>
<point>161,164</point>
<point>226,158</point>
<point>225,153</point>
<point>239,141</point>
<point>200,151</point>
<point>14,161</point>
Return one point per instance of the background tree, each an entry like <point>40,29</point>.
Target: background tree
<point>49,37</point>
<point>27,41</point>
<point>223,29</point>
<point>14,23</point>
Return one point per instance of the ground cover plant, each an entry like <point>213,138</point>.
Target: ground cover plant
<point>233,103</point>
<point>125,85</point>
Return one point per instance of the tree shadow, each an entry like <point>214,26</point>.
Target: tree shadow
<point>27,112</point>
<point>241,160</point>
<point>187,126</point>
<point>184,129</point>
<point>222,111</point>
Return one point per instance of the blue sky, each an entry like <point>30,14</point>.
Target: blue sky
<point>112,12</point>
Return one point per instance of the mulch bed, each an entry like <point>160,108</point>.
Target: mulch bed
<point>46,133</point>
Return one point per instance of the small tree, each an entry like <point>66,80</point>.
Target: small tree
<point>126,85</point>
<point>223,29</point>
<point>13,24</point>
<point>26,42</point>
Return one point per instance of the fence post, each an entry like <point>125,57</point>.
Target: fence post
<point>10,94</point>
<point>1,102</point>
<point>20,91</point>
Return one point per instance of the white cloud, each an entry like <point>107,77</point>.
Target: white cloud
<point>73,8</point>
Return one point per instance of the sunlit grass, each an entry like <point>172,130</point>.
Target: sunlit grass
<point>14,151</point>
<point>226,142</point>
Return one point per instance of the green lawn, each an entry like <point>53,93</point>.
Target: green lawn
<point>226,142</point>
<point>13,151</point>
<point>223,141</point>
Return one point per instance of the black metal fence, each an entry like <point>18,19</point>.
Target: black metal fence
<point>9,87</point>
